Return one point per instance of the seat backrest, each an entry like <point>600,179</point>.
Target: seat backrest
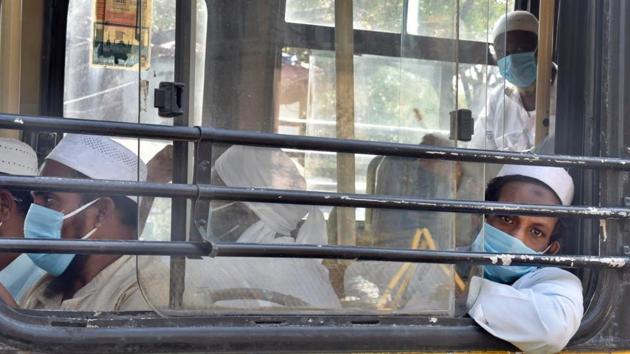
<point>408,177</point>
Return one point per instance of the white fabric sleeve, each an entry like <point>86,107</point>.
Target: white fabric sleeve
<point>539,313</point>
<point>479,139</point>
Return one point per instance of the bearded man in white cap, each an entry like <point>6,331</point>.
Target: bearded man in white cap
<point>536,309</point>
<point>86,282</point>
<point>508,121</point>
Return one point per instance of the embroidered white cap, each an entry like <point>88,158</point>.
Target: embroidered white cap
<point>515,21</point>
<point>17,158</point>
<point>99,157</point>
<point>555,178</point>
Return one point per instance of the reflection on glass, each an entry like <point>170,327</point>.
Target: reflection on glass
<point>438,18</point>
<point>396,99</point>
<point>95,87</point>
<point>371,15</point>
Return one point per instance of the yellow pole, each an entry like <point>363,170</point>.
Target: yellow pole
<point>543,75</point>
<point>10,59</point>
<point>344,64</point>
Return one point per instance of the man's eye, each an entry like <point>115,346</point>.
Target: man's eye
<point>49,201</point>
<point>537,233</point>
<point>506,219</point>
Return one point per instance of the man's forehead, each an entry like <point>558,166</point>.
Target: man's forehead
<point>523,192</point>
<point>516,37</point>
<point>51,168</point>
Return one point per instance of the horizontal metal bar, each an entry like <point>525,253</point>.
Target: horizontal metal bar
<point>279,196</point>
<point>389,44</point>
<point>299,197</point>
<point>97,127</point>
<point>201,249</point>
<point>152,131</point>
<point>142,332</point>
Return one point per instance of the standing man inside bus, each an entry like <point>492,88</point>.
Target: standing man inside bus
<point>86,282</point>
<point>536,309</point>
<point>508,122</point>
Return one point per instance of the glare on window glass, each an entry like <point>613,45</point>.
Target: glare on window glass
<point>372,15</point>
<point>438,18</point>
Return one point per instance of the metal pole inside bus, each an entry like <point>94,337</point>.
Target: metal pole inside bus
<point>344,64</point>
<point>543,75</point>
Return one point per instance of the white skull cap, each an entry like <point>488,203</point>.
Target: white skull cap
<point>17,158</point>
<point>555,178</point>
<point>515,21</point>
<point>99,157</point>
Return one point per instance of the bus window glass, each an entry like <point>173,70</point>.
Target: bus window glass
<point>438,18</point>
<point>253,83</point>
<point>371,15</point>
<point>107,76</point>
<point>405,99</point>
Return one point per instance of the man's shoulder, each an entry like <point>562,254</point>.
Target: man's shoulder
<point>551,275</point>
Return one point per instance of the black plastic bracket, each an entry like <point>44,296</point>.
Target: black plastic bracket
<point>462,125</point>
<point>169,99</point>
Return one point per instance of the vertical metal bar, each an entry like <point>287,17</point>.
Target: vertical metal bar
<point>179,208</point>
<point>543,76</point>
<point>344,64</point>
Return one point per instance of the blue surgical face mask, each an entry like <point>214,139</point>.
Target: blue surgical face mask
<point>519,68</point>
<point>45,223</point>
<point>492,240</point>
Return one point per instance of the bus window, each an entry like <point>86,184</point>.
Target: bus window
<point>401,94</point>
<point>387,72</point>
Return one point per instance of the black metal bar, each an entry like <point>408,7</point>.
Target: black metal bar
<point>279,196</point>
<point>96,127</point>
<point>179,208</point>
<point>239,137</point>
<point>314,333</point>
<point>387,44</point>
<point>201,249</point>
<point>407,150</point>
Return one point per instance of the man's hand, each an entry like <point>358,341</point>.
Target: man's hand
<point>6,297</point>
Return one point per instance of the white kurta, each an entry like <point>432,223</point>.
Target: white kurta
<point>506,125</point>
<point>113,289</point>
<point>539,313</point>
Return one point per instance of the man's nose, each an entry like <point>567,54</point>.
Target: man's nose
<point>519,233</point>
<point>38,200</point>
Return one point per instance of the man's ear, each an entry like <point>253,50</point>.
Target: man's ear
<point>554,247</point>
<point>7,205</point>
<point>105,209</point>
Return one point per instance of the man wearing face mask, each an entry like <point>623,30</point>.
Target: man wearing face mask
<point>536,309</point>
<point>509,119</point>
<point>18,273</point>
<point>86,282</point>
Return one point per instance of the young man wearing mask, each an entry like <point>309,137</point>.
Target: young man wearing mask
<point>536,309</point>
<point>17,272</point>
<point>86,282</point>
<point>509,119</point>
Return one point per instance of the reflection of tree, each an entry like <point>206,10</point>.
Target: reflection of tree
<point>389,91</point>
<point>394,92</point>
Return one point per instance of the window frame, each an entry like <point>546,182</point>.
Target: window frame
<point>347,332</point>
